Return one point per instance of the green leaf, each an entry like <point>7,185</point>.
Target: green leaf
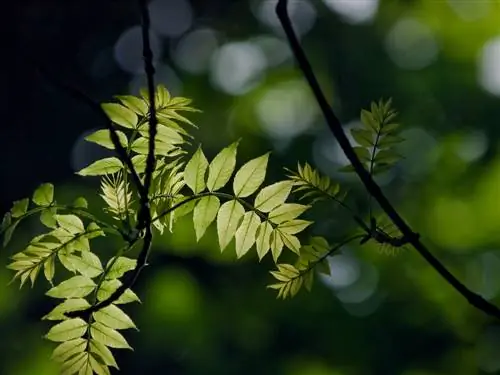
<point>6,221</point>
<point>294,226</point>
<point>44,195</point>
<point>276,244</point>
<point>362,153</point>
<point>49,268</point>
<point>94,230</point>
<point>368,120</point>
<point>273,195</point>
<point>141,146</point>
<point>101,167</point>
<point>76,287</point>
<point>250,176</point>
<point>97,367</point>
<point>72,223</point>
<point>103,138</point>
<point>7,235</point>
<point>48,217</point>
<point>290,241</point>
<point>245,235</point>
<point>134,103</point>
<point>387,157</point>
<point>120,267</point>
<point>67,330</point>
<point>73,365</point>
<point>287,211</point>
<point>19,208</point>
<point>108,287</point>
<point>80,202</point>
<point>222,167</point>
<point>194,173</point>
<point>120,115</point>
<point>114,317</point>
<point>88,264</point>
<point>163,134</point>
<point>204,214</point>
<point>363,137</point>
<point>68,349</point>
<point>263,238</point>
<point>71,304</point>
<point>228,219</point>
<point>389,128</point>
<point>389,141</point>
<point>108,336</point>
<point>103,353</point>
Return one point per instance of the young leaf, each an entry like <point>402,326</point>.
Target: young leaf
<point>113,317</point>
<point>250,176</point>
<point>263,238</point>
<point>228,218</point>
<point>204,214</point>
<point>44,195</point>
<point>221,167</point>
<point>120,115</point>
<point>101,167</point>
<point>245,235</point>
<point>102,138</point>
<point>72,223</point>
<point>194,173</point>
<point>287,211</point>
<point>108,336</point>
<point>273,195</point>
<point>19,208</point>
<point>68,349</point>
<point>67,330</point>
<point>76,287</point>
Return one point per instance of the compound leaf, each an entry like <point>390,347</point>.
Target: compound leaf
<point>67,330</point>
<point>273,195</point>
<point>250,176</point>
<point>221,167</point>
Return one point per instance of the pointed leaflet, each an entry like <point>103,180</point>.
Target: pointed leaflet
<point>101,167</point>
<point>194,173</point>
<point>48,217</point>
<point>88,264</point>
<point>248,179</point>
<point>120,267</point>
<point>44,195</point>
<point>228,219</point>
<point>245,235</point>
<point>67,330</point>
<point>103,353</point>
<point>102,138</point>
<point>134,103</point>
<point>204,213</point>
<point>19,208</point>
<point>71,304</point>
<point>273,195</point>
<point>77,286</point>
<point>294,226</point>
<point>262,244</point>
<point>73,224</point>
<point>287,211</point>
<point>113,317</point>
<point>120,115</point>
<point>73,365</point>
<point>290,241</point>
<point>108,287</point>
<point>49,268</point>
<point>97,367</point>
<point>276,244</point>
<point>221,167</point>
<point>68,349</point>
<point>108,336</point>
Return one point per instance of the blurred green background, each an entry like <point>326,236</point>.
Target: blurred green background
<point>384,313</point>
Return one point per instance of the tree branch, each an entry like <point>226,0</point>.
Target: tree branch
<point>372,187</point>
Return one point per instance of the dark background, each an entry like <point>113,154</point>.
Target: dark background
<point>205,313</point>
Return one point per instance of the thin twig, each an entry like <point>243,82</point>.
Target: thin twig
<point>372,187</point>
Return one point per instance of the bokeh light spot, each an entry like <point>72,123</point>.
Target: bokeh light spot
<point>194,50</point>
<point>354,11</point>
<point>170,18</point>
<point>489,77</point>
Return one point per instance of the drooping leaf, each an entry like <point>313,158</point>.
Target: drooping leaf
<point>245,235</point>
<point>76,287</point>
<point>72,223</point>
<point>250,176</point>
<point>204,214</point>
<point>19,208</point>
<point>67,330</point>
<point>101,167</point>
<point>120,115</point>
<point>221,168</point>
<point>102,138</point>
<point>103,353</point>
<point>287,211</point>
<point>74,364</point>
<point>276,244</point>
<point>290,241</point>
<point>194,173</point>
<point>273,195</point>
<point>68,349</point>
<point>44,195</point>
<point>228,218</point>
<point>96,366</point>
<point>114,317</point>
<point>263,239</point>
<point>108,336</point>
<point>49,268</point>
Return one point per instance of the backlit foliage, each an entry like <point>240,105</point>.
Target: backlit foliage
<point>258,216</point>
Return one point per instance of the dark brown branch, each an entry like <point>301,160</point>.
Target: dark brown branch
<point>373,189</point>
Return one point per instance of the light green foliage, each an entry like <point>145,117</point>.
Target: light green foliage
<point>378,138</point>
<point>85,323</point>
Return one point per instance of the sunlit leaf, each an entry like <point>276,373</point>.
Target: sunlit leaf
<point>228,218</point>
<point>72,223</point>
<point>102,137</point>
<point>194,173</point>
<point>19,208</point>
<point>74,364</point>
<point>245,235</point>
<point>113,317</point>
<point>101,167</point>
<point>276,244</point>
<point>204,214</point>
<point>263,239</point>
<point>120,267</point>
<point>67,330</point>
<point>48,217</point>
<point>294,226</point>
<point>68,349</point>
<point>222,167</point>
<point>134,103</point>
<point>70,304</point>
<point>77,286</point>
<point>120,115</point>
<point>273,195</point>
<point>287,211</point>
<point>108,336</point>
<point>250,176</point>
<point>88,264</point>
<point>102,352</point>
<point>44,195</point>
